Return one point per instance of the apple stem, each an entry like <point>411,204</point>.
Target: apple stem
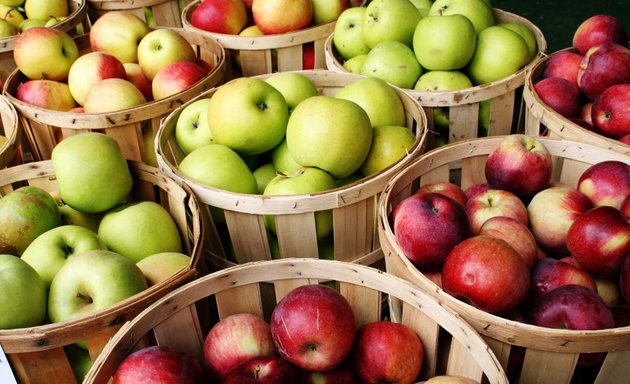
<point>68,250</point>
<point>257,372</point>
<point>262,106</point>
<point>84,297</point>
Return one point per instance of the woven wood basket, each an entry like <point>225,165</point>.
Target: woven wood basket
<point>166,13</point>
<point>133,128</point>
<point>550,354</point>
<point>36,354</point>
<point>9,128</point>
<point>238,289</point>
<point>75,24</point>
<point>463,105</point>
<point>543,120</point>
<point>353,206</point>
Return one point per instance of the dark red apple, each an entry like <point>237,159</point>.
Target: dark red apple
<point>582,123</point>
<point>262,370</point>
<point>624,280</point>
<point>550,274</point>
<point>514,233</point>
<point>446,188</point>
<point>603,66</point>
<point>599,29</point>
<point>606,183</point>
<point>158,364</point>
<point>611,111</point>
<point>476,188</point>
<point>308,55</point>
<point>559,94</point>
<point>564,64</point>
<point>625,208</point>
<point>625,139</point>
<point>621,313</point>
<point>492,203</point>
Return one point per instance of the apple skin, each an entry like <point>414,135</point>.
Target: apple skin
<point>446,188</point>
<point>560,94</point>
<point>625,208</point>
<point>487,272</point>
<point>444,42</point>
<point>550,273</point>
<point>526,33</point>
<point>606,183</point>
<point>514,233</point>
<point>123,44</point>
<point>478,11</point>
<point>564,64</point>
<point>48,94</point>
<point>624,280</point>
<point>390,144</point>
<point>45,53</point>
<point>282,160</point>
<point>134,74</point>
<point>393,62</point>
<point>192,129</point>
<point>387,352</point>
<point>611,111</point>
<point>598,29</point>
<point>158,364</point>
<point>282,16</point>
<point>220,16</point>
<point>476,188</point>
<point>295,87</point>
<point>313,327</point>
<point>161,47</point>
<point>348,33</point>
<point>621,313</point>
<point>449,379</point>
<point>23,299</point>
<point>390,20</point>
<point>111,95</point>
<point>603,66</point>
<point>427,226</point>
<point>45,9</point>
<point>89,69</point>
<point>326,11</point>
<point>175,78</point>
<point>160,266</point>
<point>608,290</point>
<point>492,203</point>
<point>262,370</point>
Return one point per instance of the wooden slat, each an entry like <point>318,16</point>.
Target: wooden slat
<point>44,366</point>
<point>244,298</point>
<point>428,330</point>
<point>460,362</point>
<point>547,367</point>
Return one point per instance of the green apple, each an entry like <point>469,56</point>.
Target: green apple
<point>26,213</point>
<point>304,181</point>
<point>248,115</point>
<point>355,64</point>
<point>148,141</point>
<point>377,98</point>
<point>161,266</point>
<point>92,281</point>
<point>29,23</point>
<point>500,52</point>
<point>484,117</point>
<point>192,129</point>
<point>79,359</point>
<point>443,81</point>
<point>282,160</point>
<point>161,47</point>
<point>264,174</point>
<point>45,53</point>
<point>326,11</point>
<point>50,250</point>
<point>348,33</point>
<point>329,133</point>
<point>12,3</point>
<point>54,21</point>
<point>423,6</point>
<point>444,42</point>
<point>45,9</point>
<point>92,174</point>
<point>349,179</point>
<point>393,62</point>
<point>111,95</point>
<point>70,216</point>
<point>123,44</point>
<point>295,87</point>
<point>477,11</point>
<point>441,120</point>
<point>390,143</point>
<point>23,299</point>
<point>11,15</point>
<point>390,20</point>
<point>139,229</point>
<point>527,35</point>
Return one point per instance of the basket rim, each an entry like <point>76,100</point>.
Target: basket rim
<point>9,149</point>
<point>112,5</point>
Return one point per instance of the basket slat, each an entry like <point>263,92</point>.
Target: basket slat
<point>547,367</point>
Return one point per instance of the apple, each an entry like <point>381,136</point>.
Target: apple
<point>264,174</point>
<point>550,273</point>
<point>23,299</point>
<point>598,29</point>
<point>603,66</point>
<point>390,20</point>
<point>79,360</point>
<point>427,226</point>
<point>606,183</point>
<point>444,42</point>
<point>326,11</point>
<point>348,33</point>
<point>45,9</point>
<point>70,216</point>
<point>134,74</point>
<point>625,208</point>
<point>341,374</point>
<point>123,44</point>
<point>608,290</point>
<point>491,203</point>
<point>45,53</point>
<point>112,95</point>
<point>313,327</point>
<point>220,16</point>
<point>477,11</point>
<point>11,15</point>
<point>621,313</point>
<point>282,161</point>
<point>586,113</point>
<point>7,29</point>
<point>393,62</point>
<point>387,352</point>
<point>92,174</point>
<point>91,281</point>
<point>158,364</point>
<point>262,370</point>
<point>282,16</point>
<point>47,94</point>
<point>248,115</point>
<point>308,55</point>
<point>89,69</point>
<point>560,94</point>
<point>564,64</point>
<point>486,272</point>
<point>355,64</point>
<point>526,33</point>
<point>161,47</point>
<point>175,78</point>
<point>295,87</point>
<point>514,233</point>
<point>235,339</point>
<point>449,379</point>
<point>160,266</point>
<point>624,280</point>
<point>446,188</point>
<point>611,111</point>
<point>192,129</point>
<point>476,188</point>
<point>390,144</point>
<point>330,133</point>
<point>437,80</point>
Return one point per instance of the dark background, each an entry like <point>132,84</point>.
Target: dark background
<point>558,19</point>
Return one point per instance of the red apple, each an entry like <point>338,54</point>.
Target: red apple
<point>308,55</point>
<point>341,374</point>
<point>559,94</point>
<point>582,123</point>
<point>599,29</point>
<point>549,274</point>
<point>282,16</point>
<point>158,364</point>
<point>387,352</point>
<point>137,78</point>
<point>262,370</point>
<point>47,94</point>
<point>625,208</point>
<point>514,233</point>
<point>564,64</point>
<point>91,68</point>
<point>492,203</point>
<point>427,226</point>
<point>313,327</point>
<point>446,188</point>
<point>476,188</point>
<point>606,183</point>
<point>624,280</point>
<point>625,139</point>
<point>603,66</point>
<point>621,313</point>
<point>175,78</point>
<point>611,111</point>
<point>220,16</point>
<point>487,272</point>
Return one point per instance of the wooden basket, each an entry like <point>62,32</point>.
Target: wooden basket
<point>133,128</point>
<point>166,13</point>
<point>463,105</point>
<point>36,353</point>
<point>353,206</point>
<point>9,128</point>
<point>542,120</point>
<point>75,24</point>
<point>550,354</point>
<point>238,289</point>
<point>260,55</point>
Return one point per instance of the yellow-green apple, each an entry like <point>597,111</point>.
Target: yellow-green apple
<point>563,64</point>
<point>45,53</point>
<point>134,74</point>
<point>499,53</point>
<point>599,29</point>
<point>160,266</point>
<point>263,175</point>
<point>11,15</point>
<point>486,272</point>
<point>263,370</point>
<point>606,183</point>
<point>561,95</point>
<point>423,6</point>
<point>12,3</point>
<point>514,233</point>
<point>325,11</point>
<point>427,226</point>
<point>608,290</point>
<point>248,115</point>
<point>47,94</point>
<point>393,62</point>
<point>526,33</point>
<point>7,29</point>
<point>91,68</point>
<point>348,33</point>
<point>550,273</point>
<point>29,23</point>
<point>161,47</point>
<point>390,20</point>
<point>444,42</point>
<point>111,95</point>
<point>355,64</point>
<point>175,78</point>
<point>303,181</point>
<point>159,364</point>
<point>295,87</point>
<point>282,160</point>
<point>282,16</point>
<point>252,30</point>
<point>477,11</point>
<point>79,360</point>
<point>603,66</point>
<point>92,174</point>
<point>385,351</point>
<point>329,133</point>
<point>220,16</point>
<point>50,250</point>
<point>313,327</point>
<point>446,188</point>
<point>390,144</point>
<point>610,112</point>
<point>51,22</point>
<point>70,216</point>
<point>123,44</point>
<point>448,379</point>
<point>192,129</point>
<point>23,299</point>
<point>377,98</point>
<point>437,80</point>
<point>235,339</point>
<point>26,213</point>
<point>45,9</point>
<point>551,213</point>
<point>520,164</point>
<point>491,203</point>
<point>91,281</point>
